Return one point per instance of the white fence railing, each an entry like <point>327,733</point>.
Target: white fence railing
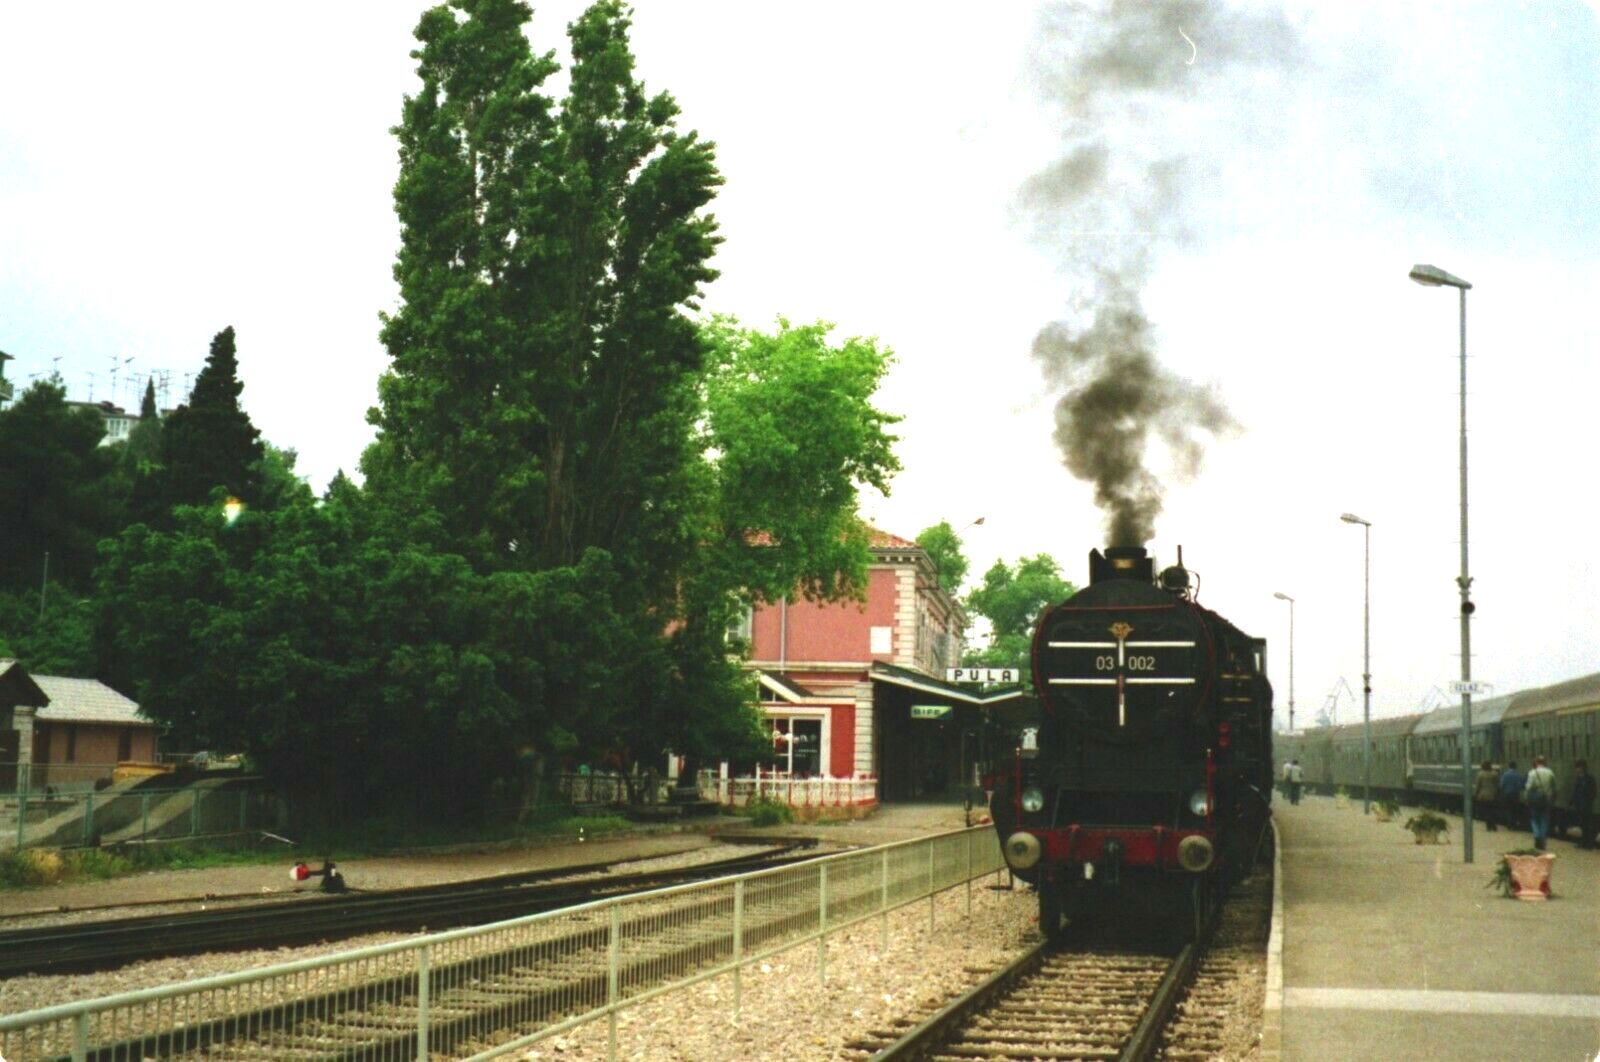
<point>485,992</point>
<point>858,791</point>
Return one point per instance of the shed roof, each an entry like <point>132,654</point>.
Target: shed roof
<point>1447,720</point>
<point>1578,693</point>
<point>17,686</point>
<point>77,700</point>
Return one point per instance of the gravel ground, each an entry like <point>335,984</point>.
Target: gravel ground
<point>92,900</point>
<point>787,1015</point>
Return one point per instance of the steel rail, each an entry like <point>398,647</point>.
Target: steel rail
<point>378,1044</point>
<point>927,1038</point>
<point>923,1039</point>
<point>108,944</point>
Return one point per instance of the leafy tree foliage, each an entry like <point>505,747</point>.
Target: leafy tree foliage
<point>943,547</point>
<point>143,450</point>
<point>209,444</point>
<point>541,394</point>
<point>59,492</point>
<point>1011,598</point>
<point>54,641</point>
<point>793,435</point>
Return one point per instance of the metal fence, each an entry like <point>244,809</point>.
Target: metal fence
<point>485,992</point>
<point>71,816</point>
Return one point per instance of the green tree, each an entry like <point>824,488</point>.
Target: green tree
<point>143,451</point>
<point>943,547</point>
<point>541,395</point>
<point>56,641</point>
<point>1011,598</point>
<point>59,492</point>
<point>209,443</point>
<point>791,435</point>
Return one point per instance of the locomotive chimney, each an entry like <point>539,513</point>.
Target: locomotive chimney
<point>1121,562</point>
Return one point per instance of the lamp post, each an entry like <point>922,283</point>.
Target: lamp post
<point>1434,277</point>
<point>1366,660</point>
<point>1285,597</point>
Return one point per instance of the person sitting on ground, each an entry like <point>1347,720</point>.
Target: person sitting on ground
<point>1539,791</point>
<point>1486,793</point>
<point>1510,795</point>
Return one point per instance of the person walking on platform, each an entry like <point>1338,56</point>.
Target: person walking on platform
<point>1511,795</point>
<point>1540,792</point>
<point>1296,776</point>
<point>1583,794</point>
<point>1486,793</point>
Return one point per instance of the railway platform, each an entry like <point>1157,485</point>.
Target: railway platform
<point>1383,948</point>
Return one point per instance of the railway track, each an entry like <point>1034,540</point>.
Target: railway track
<point>515,980</point>
<point>110,943</point>
<point>1099,1003</point>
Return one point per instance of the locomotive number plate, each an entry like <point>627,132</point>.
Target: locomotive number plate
<point>1123,664</point>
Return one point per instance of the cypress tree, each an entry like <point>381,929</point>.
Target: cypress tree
<point>209,441</point>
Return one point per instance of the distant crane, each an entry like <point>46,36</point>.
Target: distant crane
<point>1330,707</point>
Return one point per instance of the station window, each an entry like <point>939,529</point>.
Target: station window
<point>796,745</point>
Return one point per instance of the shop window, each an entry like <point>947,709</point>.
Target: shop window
<point>796,745</point>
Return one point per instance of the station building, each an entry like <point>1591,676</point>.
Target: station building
<point>839,682</point>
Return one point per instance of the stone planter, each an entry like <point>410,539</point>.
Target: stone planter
<point>1429,836</point>
<point>1381,813</point>
<point>1530,875</point>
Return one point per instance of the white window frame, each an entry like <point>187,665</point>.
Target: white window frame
<point>789,711</point>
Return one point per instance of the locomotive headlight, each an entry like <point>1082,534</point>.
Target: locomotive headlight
<point>1199,803</point>
<point>1032,799</point>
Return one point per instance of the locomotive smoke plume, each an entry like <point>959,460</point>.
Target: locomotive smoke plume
<point>1148,122</point>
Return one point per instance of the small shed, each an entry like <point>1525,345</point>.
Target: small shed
<point>69,732</point>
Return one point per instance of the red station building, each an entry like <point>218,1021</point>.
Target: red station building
<point>839,682</point>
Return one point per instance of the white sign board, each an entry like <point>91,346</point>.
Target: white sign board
<point>1477,689</point>
<point>983,674</point>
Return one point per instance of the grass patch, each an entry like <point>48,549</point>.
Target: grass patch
<point>33,867</point>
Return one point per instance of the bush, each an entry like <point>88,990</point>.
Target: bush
<point>32,866</point>
<point>769,812</point>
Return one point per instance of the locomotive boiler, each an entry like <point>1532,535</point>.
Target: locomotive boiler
<point>1145,788</point>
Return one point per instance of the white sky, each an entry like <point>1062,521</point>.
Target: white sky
<point>169,170</point>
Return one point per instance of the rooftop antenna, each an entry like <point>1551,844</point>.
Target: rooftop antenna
<point>90,375</point>
<point>55,367</point>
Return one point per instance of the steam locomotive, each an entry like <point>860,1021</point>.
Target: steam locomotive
<point>1146,786</point>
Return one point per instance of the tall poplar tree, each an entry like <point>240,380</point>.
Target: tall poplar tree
<point>542,394</point>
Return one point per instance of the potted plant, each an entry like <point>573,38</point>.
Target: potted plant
<point>1384,810</point>
<point>1427,827</point>
<point>1341,799</point>
<point>1523,873</point>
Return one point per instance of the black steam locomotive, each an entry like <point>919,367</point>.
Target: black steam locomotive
<point>1147,784</point>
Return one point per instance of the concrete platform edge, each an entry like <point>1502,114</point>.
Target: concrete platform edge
<point>1272,1009</point>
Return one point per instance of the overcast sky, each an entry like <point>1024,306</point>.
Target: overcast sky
<point>167,170</point>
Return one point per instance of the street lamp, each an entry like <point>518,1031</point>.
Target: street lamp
<point>1434,277</point>
<point>1366,661</point>
<point>1285,597</point>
